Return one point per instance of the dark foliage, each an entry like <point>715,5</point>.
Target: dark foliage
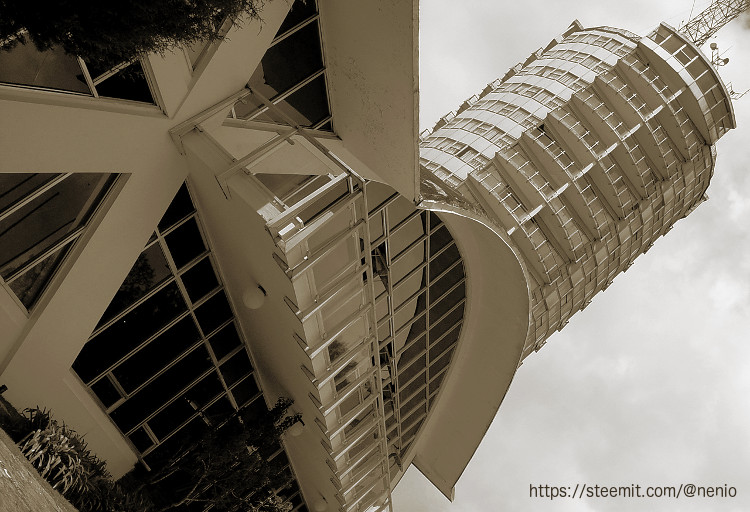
<point>12,422</point>
<point>108,33</point>
<point>63,458</point>
<point>228,467</point>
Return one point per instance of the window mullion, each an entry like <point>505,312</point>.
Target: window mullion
<point>68,239</point>
<point>34,195</point>
<point>87,77</point>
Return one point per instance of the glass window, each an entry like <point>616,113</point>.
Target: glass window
<point>205,391</point>
<point>306,107</point>
<point>291,75</point>
<point>149,270</point>
<point>412,431</point>
<point>106,391</point>
<point>406,373</point>
<point>442,285</point>
<point>180,207</point>
<point>411,388</point>
<point>443,261</point>
<point>439,239</point>
<point>48,218</point>
<point>185,243</point>
<point>256,409</point>
<point>411,344</point>
<point>160,455</point>
<point>224,341</point>
<point>446,341</point>
<point>154,372</point>
<point>51,69</point>
<point>40,218</point>
<point>447,302</point>
<point>131,330</point>
<point>219,411</point>
<point>128,84</point>
<point>155,356</point>
<point>411,404</point>
<point>245,391</point>
<point>16,186</point>
<point>435,382</point>
<point>200,279</point>
<point>29,285</point>
<point>300,11</point>
<point>288,62</point>
<point>441,362</point>
<point>415,417</point>
<point>214,312</point>
<point>413,350</point>
<point>236,368</point>
<point>162,390</point>
<point>141,439</point>
<point>170,418</point>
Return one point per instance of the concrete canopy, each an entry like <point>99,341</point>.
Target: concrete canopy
<point>372,68</point>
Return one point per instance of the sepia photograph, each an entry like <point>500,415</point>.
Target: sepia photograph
<point>352,256</point>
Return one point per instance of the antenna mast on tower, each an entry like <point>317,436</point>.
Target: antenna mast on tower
<point>712,18</point>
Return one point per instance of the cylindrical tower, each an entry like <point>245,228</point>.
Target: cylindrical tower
<point>584,154</point>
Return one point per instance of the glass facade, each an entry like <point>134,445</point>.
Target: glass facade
<point>291,75</point>
<point>419,303</point>
<point>167,360</point>
<point>380,296</point>
<point>53,69</point>
<point>41,217</point>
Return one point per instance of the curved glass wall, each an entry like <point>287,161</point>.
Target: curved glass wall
<point>379,290</point>
<point>420,299</point>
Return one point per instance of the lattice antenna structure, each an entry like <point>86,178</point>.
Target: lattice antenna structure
<point>712,18</point>
<point>734,94</point>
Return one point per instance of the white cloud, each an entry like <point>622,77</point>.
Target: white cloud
<point>727,293</point>
<point>649,384</point>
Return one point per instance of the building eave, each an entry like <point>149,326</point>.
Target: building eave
<point>372,70</point>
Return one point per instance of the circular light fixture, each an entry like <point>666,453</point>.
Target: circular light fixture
<point>296,429</point>
<point>254,297</point>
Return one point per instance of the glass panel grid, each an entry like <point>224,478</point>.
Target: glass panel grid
<point>291,76</point>
<point>186,362</point>
<point>407,345</point>
<point>54,70</point>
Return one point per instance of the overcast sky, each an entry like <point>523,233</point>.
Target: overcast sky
<point>650,384</point>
